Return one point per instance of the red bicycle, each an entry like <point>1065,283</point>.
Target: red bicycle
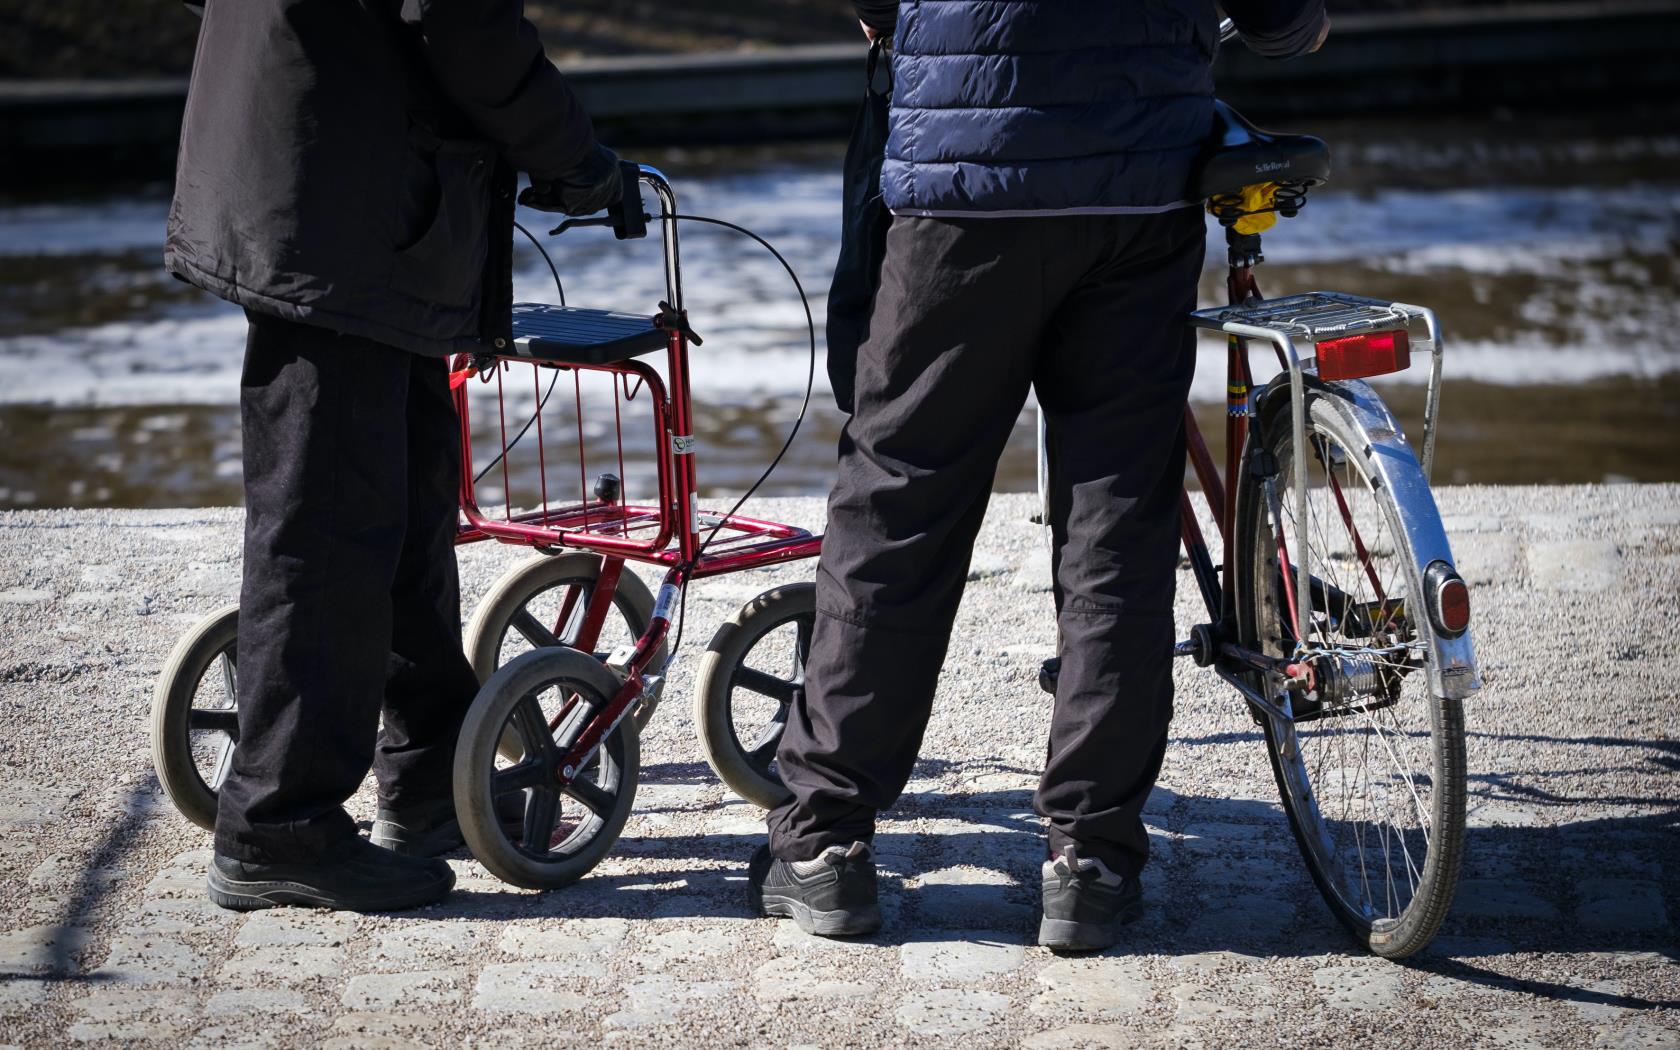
<point>1335,611</point>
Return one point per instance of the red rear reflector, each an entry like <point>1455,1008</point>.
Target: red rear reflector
<point>1370,354</point>
<point>1453,601</point>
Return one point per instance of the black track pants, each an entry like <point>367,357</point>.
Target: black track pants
<point>350,605</point>
<point>1089,311</point>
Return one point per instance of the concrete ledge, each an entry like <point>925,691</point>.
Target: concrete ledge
<point>1526,55</point>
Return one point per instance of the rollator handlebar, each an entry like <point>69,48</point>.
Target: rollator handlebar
<point>627,216</point>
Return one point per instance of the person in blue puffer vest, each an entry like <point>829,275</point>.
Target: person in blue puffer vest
<point>1042,239</point>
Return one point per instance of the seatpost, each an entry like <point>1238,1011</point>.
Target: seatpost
<point>1243,249</point>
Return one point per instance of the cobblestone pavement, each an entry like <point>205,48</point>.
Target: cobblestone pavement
<point>1563,933</point>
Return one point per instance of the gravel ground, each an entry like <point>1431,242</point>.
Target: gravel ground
<point>1563,933</point>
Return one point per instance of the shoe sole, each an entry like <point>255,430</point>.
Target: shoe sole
<point>242,895</point>
<point>1070,935</point>
<point>840,922</point>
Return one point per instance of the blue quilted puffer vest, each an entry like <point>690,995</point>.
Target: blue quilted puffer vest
<point>1018,107</point>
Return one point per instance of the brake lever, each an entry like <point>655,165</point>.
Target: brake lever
<point>626,216</point>
<point>599,220</point>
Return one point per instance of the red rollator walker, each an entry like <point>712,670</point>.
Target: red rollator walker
<point>559,724</point>
<point>571,648</point>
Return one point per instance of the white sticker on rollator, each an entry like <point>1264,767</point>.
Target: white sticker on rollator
<point>666,601</point>
<point>682,444</point>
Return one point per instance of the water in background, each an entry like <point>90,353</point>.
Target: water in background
<point>1547,250</point>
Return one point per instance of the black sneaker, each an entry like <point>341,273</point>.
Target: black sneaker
<point>358,876</point>
<point>430,828</point>
<point>1084,899</point>
<point>831,896</point>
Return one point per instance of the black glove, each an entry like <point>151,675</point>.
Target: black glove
<point>589,187</point>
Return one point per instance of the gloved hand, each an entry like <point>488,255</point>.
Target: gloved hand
<point>589,187</point>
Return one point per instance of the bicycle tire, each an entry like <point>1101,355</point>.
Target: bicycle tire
<point>1395,711</point>
<point>500,708</point>
<point>184,784</point>
<point>720,672</point>
<point>493,618</point>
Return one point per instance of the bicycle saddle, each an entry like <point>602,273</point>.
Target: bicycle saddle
<point>1239,154</point>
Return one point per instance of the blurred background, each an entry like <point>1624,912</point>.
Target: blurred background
<point>1517,167</point>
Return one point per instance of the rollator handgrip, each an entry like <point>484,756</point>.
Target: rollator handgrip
<point>628,219</point>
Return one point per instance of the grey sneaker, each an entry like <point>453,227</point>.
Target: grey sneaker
<point>832,895</point>
<point>1084,899</point>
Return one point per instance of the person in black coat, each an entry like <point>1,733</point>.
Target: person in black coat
<point>346,174</point>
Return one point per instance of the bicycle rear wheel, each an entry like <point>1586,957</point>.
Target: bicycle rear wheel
<point>1371,763</point>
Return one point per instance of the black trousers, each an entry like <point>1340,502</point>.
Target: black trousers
<point>1089,311</point>
<point>350,606</point>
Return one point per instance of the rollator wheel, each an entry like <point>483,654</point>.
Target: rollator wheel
<point>751,672</point>
<point>542,601</point>
<point>195,716</point>
<point>544,699</point>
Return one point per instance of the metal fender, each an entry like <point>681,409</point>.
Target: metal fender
<point>1452,666</point>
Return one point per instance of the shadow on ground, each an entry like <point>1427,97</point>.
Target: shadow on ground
<point>1227,878</point>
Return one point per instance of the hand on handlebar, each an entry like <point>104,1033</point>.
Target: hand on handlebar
<point>595,183</point>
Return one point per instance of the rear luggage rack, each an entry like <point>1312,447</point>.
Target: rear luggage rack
<point>1315,317</point>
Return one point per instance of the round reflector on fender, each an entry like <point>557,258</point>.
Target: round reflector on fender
<point>1449,599</point>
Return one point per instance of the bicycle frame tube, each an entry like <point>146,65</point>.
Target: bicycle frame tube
<point>1239,383</point>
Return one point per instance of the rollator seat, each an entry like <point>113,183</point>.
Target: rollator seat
<point>1239,154</point>
<point>576,335</point>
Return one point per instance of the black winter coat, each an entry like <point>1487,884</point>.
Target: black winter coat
<point>350,163</point>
